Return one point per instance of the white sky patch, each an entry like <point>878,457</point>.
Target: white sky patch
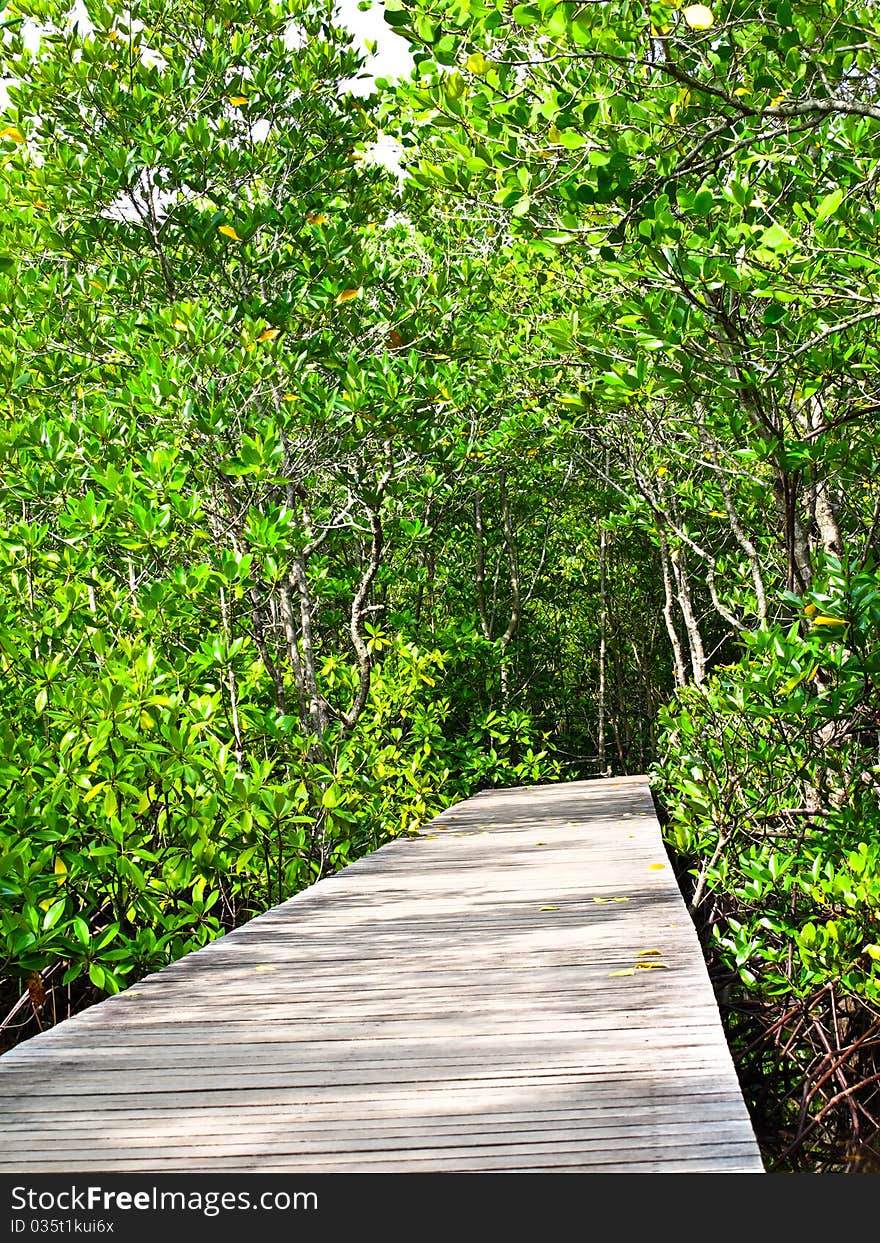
<point>392,58</point>
<point>294,36</point>
<point>153,60</point>
<point>144,192</point>
<point>32,32</point>
<point>386,151</point>
<point>78,19</point>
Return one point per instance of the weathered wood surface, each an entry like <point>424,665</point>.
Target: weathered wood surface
<point>447,1003</point>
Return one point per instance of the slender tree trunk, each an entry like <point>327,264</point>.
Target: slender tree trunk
<point>230,682</point>
<point>317,707</point>
<point>668,613</point>
<point>480,569</point>
<point>691,626</point>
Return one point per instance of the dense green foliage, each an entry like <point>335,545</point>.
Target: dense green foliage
<point>327,499</point>
<point>225,666</point>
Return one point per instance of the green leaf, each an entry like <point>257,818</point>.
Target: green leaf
<point>829,204</point>
<point>53,914</point>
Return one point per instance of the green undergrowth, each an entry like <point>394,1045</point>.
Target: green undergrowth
<point>770,780</point>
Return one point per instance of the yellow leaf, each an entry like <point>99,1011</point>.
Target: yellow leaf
<point>97,285</point>
<point>717,513</point>
<point>348,295</point>
<point>699,17</point>
<point>657,867</point>
<point>824,620</point>
<point>620,899</point>
<point>684,98</point>
<point>264,967</point>
<point>477,63</point>
<point>60,870</point>
<point>316,217</point>
<point>268,334</point>
<point>554,134</point>
<point>548,908</point>
<point>540,843</point>
<point>292,397</point>
<point>625,971</point>
<point>810,609</point>
<point>179,325</point>
<point>811,677</point>
<point>652,966</point>
<point>12,133</point>
<point>648,953</point>
<point>238,101</point>
<point>228,231</point>
<point>661,471</point>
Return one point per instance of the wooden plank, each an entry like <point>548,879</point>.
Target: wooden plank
<point>419,1010</point>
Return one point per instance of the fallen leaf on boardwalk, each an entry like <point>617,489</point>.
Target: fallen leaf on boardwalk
<point>263,966</point>
<point>652,966</point>
<point>648,953</point>
<point>625,971</point>
<point>540,843</point>
<point>620,899</point>
<point>430,837</point>
<point>548,908</point>
<point>657,867</point>
<point>603,899</point>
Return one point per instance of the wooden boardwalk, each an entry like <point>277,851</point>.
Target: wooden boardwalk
<point>485,996</point>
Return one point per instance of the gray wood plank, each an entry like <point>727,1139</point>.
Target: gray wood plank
<point>417,1011</point>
